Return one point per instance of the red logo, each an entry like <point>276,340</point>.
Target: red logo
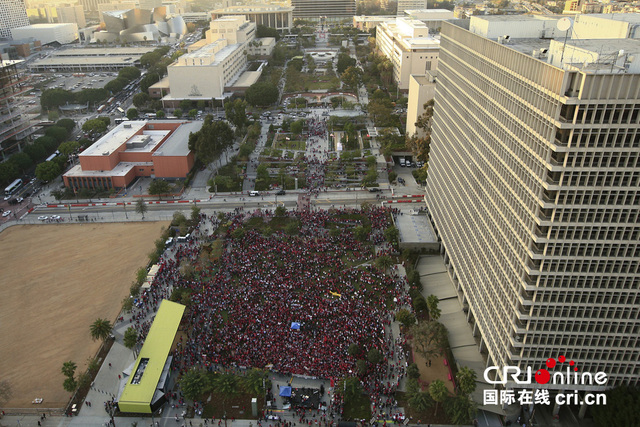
<point>543,376</point>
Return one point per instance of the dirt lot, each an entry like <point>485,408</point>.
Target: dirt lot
<point>55,281</point>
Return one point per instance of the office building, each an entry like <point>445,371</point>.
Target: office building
<point>367,22</point>
<point>91,6</point>
<point>72,14</point>
<point>203,73</point>
<point>330,10</point>
<point>47,33</point>
<point>158,148</point>
<point>411,5</point>
<point>273,16</point>
<point>534,188</point>
<point>409,47</point>
<point>13,13</point>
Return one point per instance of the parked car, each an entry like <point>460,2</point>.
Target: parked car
<point>375,190</point>
<point>280,193</point>
<point>6,213</point>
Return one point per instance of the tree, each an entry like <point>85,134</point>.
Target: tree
<point>236,112</point>
<point>69,369</point>
<point>194,383</point>
<point>391,234</point>
<point>296,127</point>
<point>149,80</point>
<point>160,114</point>
<point>177,112</point>
<point>292,228</point>
<point>466,378</point>
<point>116,85</point>
<point>262,94</point>
<point>438,391</point>
<point>53,98</point>
<point>429,338</point>
<point>193,113</point>
<point>94,126</point>
<point>352,77</point>
<point>141,207</point>
<point>211,140</point>
<point>420,401</point>
<point>361,367</point>
<point>344,61</point>
<point>462,410</point>
<point>68,124</point>
<point>413,372</point>
<point>140,99</point>
<point>622,408</point>
<point>195,213</point>
<point>57,132</point>
<point>129,73</point>
<point>130,338</point>
<point>432,304</point>
<point>66,148</point>
<point>159,187</point>
<point>69,384</point>
<point>100,329</point>
<point>349,388</point>
<point>252,382</point>
<point>353,349</point>
<point>374,356</point>
<point>132,113</point>
<point>361,233</point>
<point>405,317</point>
<point>48,171</point>
<point>185,104</point>
<point>22,161</point>
<point>280,211</point>
<point>384,262</point>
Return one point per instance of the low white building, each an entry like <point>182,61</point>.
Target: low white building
<point>409,47</point>
<point>422,89</point>
<point>47,33</point>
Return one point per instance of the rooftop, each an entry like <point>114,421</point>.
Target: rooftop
<point>177,143</point>
<point>254,8</point>
<point>114,139</point>
<point>103,51</point>
<point>42,26</point>
<point>121,169</point>
<point>74,60</point>
<point>632,18</point>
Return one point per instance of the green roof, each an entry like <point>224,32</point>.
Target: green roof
<point>142,383</point>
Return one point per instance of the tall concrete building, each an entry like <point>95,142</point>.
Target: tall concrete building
<point>13,13</point>
<point>409,47</point>
<point>534,190</point>
<point>72,14</point>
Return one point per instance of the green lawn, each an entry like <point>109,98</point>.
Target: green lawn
<point>359,408</point>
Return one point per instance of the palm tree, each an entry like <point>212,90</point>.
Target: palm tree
<point>69,369</point>
<point>131,339</point>
<point>466,380</point>
<point>253,381</point>
<point>226,385</point>
<point>100,329</point>
<point>438,392</point>
<point>384,262</point>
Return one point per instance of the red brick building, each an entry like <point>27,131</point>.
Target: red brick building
<point>157,149</point>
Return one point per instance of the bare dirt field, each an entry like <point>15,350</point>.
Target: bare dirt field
<point>55,281</point>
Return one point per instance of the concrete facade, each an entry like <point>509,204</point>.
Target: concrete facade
<point>409,47</point>
<point>203,74</point>
<point>533,189</point>
<point>47,33</point>
<point>330,9</point>
<point>272,16</point>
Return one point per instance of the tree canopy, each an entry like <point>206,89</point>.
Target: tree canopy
<point>159,187</point>
<point>236,112</point>
<point>211,140</point>
<point>262,94</point>
<point>100,329</point>
<point>48,171</point>
<point>429,338</point>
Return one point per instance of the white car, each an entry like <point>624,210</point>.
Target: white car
<point>43,218</point>
<point>55,217</point>
<point>6,213</point>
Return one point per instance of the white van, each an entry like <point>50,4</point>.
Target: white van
<point>402,162</point>
<point>254,193</point>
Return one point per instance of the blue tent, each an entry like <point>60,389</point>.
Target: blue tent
<point>296,326</point>
<point>285,391</point>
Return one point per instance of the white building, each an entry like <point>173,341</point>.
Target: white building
<point>48,33</point>
<point>273,16</point>
<point>534,188</point>
<point>202,74</point>
<point>13,13</point>
<point>606,26</point>
<point>409,47</point>
<point>196,16</point>
<point>433,18</point>
<point>411,4</point>
<point>422,88</point>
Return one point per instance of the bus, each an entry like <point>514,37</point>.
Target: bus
<point>101,108</point>
<point>110,101</point>
<point>13,187</point>
<point>120,110</point>
<point>53,156</point>
<point>120,120</point>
